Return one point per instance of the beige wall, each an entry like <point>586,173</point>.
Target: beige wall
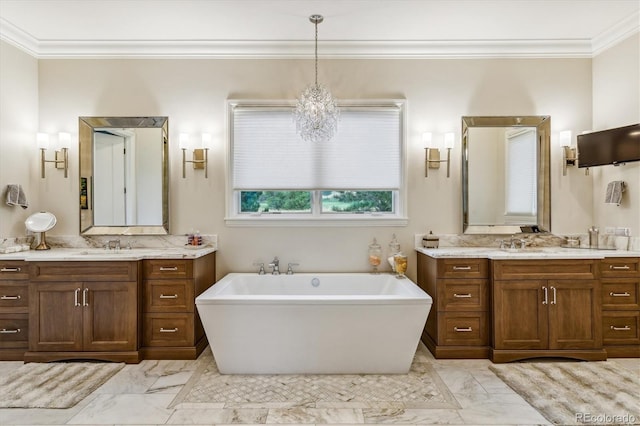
<point>192,93</point>
<point>616,102</point>
<point>18,128</point>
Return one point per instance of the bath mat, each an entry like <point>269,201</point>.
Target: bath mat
<point>53,385</point>
<point>576,393</point>
<point>420,388</point>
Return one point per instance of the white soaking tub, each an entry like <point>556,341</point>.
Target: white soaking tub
<point>345,323</point>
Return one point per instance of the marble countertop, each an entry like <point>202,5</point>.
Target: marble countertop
<point>100,254</point>
<point>527,253</point>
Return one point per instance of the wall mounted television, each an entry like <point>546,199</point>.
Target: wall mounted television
<point>612,146</point>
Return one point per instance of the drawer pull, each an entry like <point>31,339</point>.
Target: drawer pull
<point>462,268</point>
<point>10,270</point>
<point>168,268</point>
<point>625,294</point>
<point>620,268</point>
<point>462,296</point>
<point>3,297</point>
<point>168,296</point>
<point>462,329</point>
<point>14,331</point>
<point>168,330</point>
<point>625,328</point>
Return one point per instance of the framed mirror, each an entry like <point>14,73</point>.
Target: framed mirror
<point>505,174</point>
<point>124,175</point>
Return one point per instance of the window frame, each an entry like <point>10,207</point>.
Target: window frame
<point>316,217</point>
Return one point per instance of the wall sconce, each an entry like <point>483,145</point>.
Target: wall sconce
<point>569,153</point>
<point>61,157</point>
<point>200,155</point>
<point>432,154</point>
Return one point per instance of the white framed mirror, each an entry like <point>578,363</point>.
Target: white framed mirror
<point>505,174</point>
<point>124,175</point>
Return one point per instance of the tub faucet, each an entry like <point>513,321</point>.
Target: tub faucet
<point>261,265</point>
<point>290,268</point>
<point>275,266</point>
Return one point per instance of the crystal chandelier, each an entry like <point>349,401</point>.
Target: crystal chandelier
<point>316,113</point>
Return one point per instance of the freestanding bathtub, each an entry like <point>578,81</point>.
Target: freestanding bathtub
<point>347,323</point>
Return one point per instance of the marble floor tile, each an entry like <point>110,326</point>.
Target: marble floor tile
<point>171,383</point>
<point>459,380</point>
<point>210,416</point>
<point>437,416</point>
<point>125,409</point>
<point>315,415</point>
<point>501,411</point>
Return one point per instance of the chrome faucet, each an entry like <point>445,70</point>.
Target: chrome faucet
<point>275,266</point>
<point>113,245</point>
<point>290,268</point>
<point>261,270</point>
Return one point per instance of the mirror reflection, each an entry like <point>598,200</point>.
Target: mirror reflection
<point>505,174</point>
<point>123,175</point>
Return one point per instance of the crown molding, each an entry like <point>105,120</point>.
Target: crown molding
<point>280,49</point>
<point>619,32</point>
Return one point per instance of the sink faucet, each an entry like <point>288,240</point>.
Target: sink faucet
<point>113,244</point>
<point>275,266</point>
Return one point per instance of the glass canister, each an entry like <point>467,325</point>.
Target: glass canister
<point>400,262</point>
<point>394,247</point>
<point>375,256</point>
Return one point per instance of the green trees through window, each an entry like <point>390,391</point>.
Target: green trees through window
<point>330,201</point>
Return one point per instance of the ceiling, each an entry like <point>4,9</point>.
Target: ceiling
<point>352,28</point>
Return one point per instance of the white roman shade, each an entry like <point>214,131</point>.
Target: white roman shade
<point>365,154</point>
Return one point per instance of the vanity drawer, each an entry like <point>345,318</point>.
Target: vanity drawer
<point>544,269</point>
<point>621,293</point>
<point>168,330</point>
<point>168,268</point>
<point>620,267</point>
<point>14,331</point>
<point>14,296</point>
<point>463,329</point>
<point>13,270</point>
<point>621,328</point>
<point>462,295</point>
<point>168,296</point>
<point>84,271</point>
<point>463,268</point>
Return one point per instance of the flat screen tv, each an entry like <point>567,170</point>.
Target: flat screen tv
<point>612,146</point>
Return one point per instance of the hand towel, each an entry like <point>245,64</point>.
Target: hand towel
<point>16,196</point>
<point>614,192</point>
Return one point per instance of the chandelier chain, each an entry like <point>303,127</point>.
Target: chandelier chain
<point>316,52</point>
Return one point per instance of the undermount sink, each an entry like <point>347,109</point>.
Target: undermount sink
<point>98,252</point>
<point>523,250</point>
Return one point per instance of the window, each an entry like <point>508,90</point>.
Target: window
<point>521,193</point>
<point>355,177</point>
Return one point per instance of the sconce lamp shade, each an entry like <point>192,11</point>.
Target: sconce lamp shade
<point>64,139</point>
<point>43,140</point>
<point>427,138</point>
<point>206,140</point>
<point>449,140</point>
<point>565,138</point>
<point>183,140</point>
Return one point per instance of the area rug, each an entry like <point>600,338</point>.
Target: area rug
<point>53,385</point>
<point>575,393</point>
<point>420,388</point>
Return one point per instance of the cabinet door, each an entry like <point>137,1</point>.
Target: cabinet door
<point>575,317</point>
<point>55,317</point>
<point>520,315</point>
<point>110,316</point>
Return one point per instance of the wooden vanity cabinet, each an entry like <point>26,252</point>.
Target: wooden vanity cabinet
<point>620,279</point>
<point>171,325</point>
<point>83,310</point>
<point>14,310</point>
<point>458,322</point>
<point>546,308</point>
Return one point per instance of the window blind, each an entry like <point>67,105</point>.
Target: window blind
<point>365,154</point>
<point>521,197</point>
